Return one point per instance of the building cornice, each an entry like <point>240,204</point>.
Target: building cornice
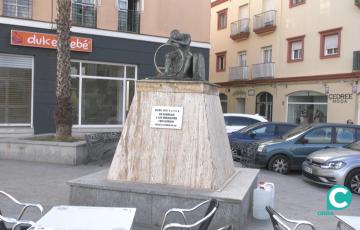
<point>327,77</point>
<point>92,31</point>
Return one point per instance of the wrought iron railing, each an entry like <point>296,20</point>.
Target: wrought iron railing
<point>129,21</point>
<point>265,19</point>
<point>17,9</point>
<point>263,70</point>
<point>84,14</point>
<point>238,73</point>
<point>241,26</point>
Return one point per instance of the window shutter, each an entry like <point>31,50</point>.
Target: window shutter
<point>296,46</point>
<point>15,89</point>
<point>331,42</point>
<point>356,61</point>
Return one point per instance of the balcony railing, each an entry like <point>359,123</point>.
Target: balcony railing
<point>84,14</point>
<point>263,70</point>
<point>240,29</point>
<point>265,22</point>
<point>129,21</point>
<point>238,73</point>
<point>17,9</point>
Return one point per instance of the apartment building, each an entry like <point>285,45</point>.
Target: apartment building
<point>288,60</point>
<point>112,43</point>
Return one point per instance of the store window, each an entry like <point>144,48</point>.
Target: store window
<point>15,90</point>
<point>306,107</point>
<point>264,102</point>
<point>17,8</point>
<point>84,13</point>
<point>224,102</point>
<point>106,92</point>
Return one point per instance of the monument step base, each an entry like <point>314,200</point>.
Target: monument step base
<point>152,201</point>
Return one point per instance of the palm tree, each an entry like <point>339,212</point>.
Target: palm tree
<point>63,115</point>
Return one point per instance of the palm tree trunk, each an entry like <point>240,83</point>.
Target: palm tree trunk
<point>63,115</point>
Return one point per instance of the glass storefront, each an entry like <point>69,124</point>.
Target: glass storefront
<point>15,89</point>
<point>106,93</point>
<point>264,102</point>
<point>307,107</point>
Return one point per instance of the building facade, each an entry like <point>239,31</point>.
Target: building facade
<point>112,42</point>
<point>288,60</point>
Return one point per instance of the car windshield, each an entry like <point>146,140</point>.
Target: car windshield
<point>294,132</point>
<point>354,146</point>
<point>248,128</point>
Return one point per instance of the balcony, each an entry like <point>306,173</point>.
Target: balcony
<point>238,73</point>
<point>84,14</point>
<point>357,3</point>
<point>17,9</point>
<point>265,22</point>
<point>129,21</point>
<point>240,30</point>
<point>356,61</point>
<point>263,70</point>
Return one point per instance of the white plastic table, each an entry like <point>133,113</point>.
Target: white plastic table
<point>87,218</point>
<point>350,221</point>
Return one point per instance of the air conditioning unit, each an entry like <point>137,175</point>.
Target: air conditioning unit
<point>356,61</point>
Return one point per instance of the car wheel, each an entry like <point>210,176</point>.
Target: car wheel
<point>353,181</point>
<point>279,164</point>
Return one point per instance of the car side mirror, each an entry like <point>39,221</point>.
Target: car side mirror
<point>304,141</point>
<point>252,135</point>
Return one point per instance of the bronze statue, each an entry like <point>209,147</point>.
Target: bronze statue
<point>181,64</point>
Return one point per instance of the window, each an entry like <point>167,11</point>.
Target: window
<point>101,93</point>
<point>222,19</point>
<point>264,102</point>
<point>220,62</point>
<point>293,3</point>
<point>239,121</point>
<point>266,130</point>
<point>319,136</point>
<point>345,135</point>
<point>15,89</point>
<point>306,107</point>
<point>129,15</point>
<point>267,54</point>
<point>17,8</point>
<point>330,41</point>
<point>296,49</point>
<point>242,58</point>
<point>84,13</point>
<point>283,129</point>
<point>224,102</point>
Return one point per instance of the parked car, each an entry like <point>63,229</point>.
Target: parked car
<point>335,166</point>
<point>289,152</point>
<point>261,131</point>
<point>237,121</point>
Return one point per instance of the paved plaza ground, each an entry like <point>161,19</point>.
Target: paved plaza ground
<point>46,184</point>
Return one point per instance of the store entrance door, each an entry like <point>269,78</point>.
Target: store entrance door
<point>240,105</point>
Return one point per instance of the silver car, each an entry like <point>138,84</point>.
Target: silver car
<point>335,166</point>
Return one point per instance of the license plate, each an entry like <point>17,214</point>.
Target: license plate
<point>308,169</point>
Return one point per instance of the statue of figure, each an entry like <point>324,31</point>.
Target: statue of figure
<point>181,63</point>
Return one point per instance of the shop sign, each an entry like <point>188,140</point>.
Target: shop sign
<point>166,117</point>
<point>49,41</point>
<point>340,98</point>
<point>251,92</point>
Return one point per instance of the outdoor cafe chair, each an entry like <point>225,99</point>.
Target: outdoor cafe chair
<point>279,221</point>
<point>203,223</point>
<point>17,223</point>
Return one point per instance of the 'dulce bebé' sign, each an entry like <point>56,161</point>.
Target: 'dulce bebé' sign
<point>166,117</point>
<point>49,41</point>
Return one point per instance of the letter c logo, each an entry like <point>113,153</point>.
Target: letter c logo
<point>338,197</point>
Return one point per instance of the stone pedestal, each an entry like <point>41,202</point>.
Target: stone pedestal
<point>196,156</point>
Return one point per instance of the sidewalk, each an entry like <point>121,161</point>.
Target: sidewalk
<point>46,184</point>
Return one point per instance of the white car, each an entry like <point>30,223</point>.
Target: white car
<point>237,121</point>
